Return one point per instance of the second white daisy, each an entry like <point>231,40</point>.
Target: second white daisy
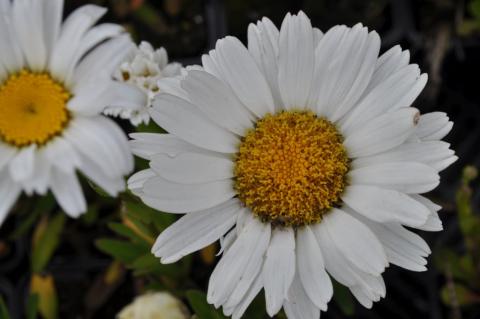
<point>303,156</point>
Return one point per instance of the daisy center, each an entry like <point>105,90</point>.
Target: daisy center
<point>291,168</point>
<point>33,109</point>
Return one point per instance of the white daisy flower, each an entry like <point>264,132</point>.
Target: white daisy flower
<point>55,80</point>
<point>145,68</point>
<point>303,155</point>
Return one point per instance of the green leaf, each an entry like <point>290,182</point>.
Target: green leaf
<point>198,301</point>
<point>140,211</point>
<point>3,309</point>
<point>125,231</point>
<point>123,251</point>
<point>32,306</point>
<point>343,298</point>
<point>45,240</point>
<point>474,8</point>
<point>43,205</point>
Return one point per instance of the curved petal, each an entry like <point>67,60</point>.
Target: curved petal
<point>217,101</point>
<point>27,17</point>
<point>298,305</point>
<point>62,58</point>
<point>263,45</point>
<point>183,198</point>
<point>9,193</point>
<point>382,133</point>
<point>68,192</point>
<point>195,231</point>
<point>240,71</point>
<point>279,268</point>
<point>311,269</point>
<point>184,120</point>
<point>383,205</point>
<point>356,242</point>
<point>406,177</point>
<point>145,145</point>
<point>246,253</point>
<point>296,60</point>
<point>192,168</point>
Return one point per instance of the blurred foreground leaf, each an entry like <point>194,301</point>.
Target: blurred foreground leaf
<point>45,240</point>
<point>3,309</point>
<point>44,288</point>
<point>121,250</point>
<point>32,306</point>
<point>43,205</point>
<point>198,301</point>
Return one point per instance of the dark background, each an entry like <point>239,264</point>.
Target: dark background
<point>438,36</point>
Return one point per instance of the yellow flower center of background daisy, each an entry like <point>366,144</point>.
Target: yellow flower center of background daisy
<point>291,169</point>
<point>32,109</point>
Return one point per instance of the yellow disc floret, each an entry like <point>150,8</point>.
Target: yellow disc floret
<point>291,168</point>
<point>32,109</point>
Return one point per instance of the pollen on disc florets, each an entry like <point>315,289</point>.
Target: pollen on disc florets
<point>32,108</point>
<point>291,168</point>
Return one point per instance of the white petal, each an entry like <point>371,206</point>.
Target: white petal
<point>192,168</point>
<point>9,192</point>
<point>112,185</point>
<point>6,154</point>
<point>101,62</point>
<point>90,39</point>
<point>263,45</point>
<point>184,120</point>
<point>252,269</point>
<point>68,192</point>
<point>298,305</point>
<point>21,166</point>
<point>433,126</point>
<point>146,145</point>
<point>62,59</point>
<point>28,23</point>
<point>241,72</point>
<point>253,291</point>
<point>61,154</point>
<point>52,20</point>
<point>181,198</point>
<point>12,56</point>
<point>248,249</point>
<point>406,177</point>
<point>433,223</point>
<point>91,98</point>
<point>279,268</point>
<point>403,247</point>
<point>431,153</point>
<point>388,96</point>
<point>137,180</point>
<point>387,64</point>
<point>217,101</point>
<point>356,74</point>
<point>103,142</point>
<point>349,69</point>
<point>383,133</point>
<point>383,205</point>
<point>296,60</point>
<point>195,231</point>
<point>344,271</point>
<point>356,242</point>
<point>311,269</point>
